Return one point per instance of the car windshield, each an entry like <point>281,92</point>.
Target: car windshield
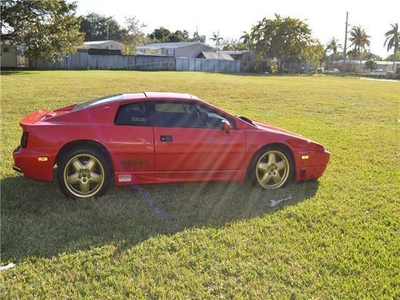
<point>98,101</point>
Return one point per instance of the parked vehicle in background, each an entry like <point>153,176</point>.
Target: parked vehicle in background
<point>378,72</point>
<point>332,70</point>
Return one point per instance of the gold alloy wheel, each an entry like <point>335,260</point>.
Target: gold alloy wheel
<point>83,175</point>
<point>272,169</point>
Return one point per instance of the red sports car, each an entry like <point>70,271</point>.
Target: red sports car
<point>154,137</point>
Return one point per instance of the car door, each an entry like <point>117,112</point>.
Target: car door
<point>133,141</point>
<point>189,137</point>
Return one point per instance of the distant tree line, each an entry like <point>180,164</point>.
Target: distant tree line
<point>50,29</point>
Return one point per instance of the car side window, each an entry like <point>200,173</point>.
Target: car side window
<point>214,118</point>
<point>134,114</point>
<point>189,115</point>
<point>178,114</point>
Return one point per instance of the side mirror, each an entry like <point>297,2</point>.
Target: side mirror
<point>226,127</point>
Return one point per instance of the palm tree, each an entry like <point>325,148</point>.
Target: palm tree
<point>359,39</point>
<point>246,39</point>
<point>333,46</point>
<point>216,38</point>
<point>393,40</point>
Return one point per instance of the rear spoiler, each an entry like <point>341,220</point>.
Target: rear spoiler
<point>40,115</point>
<point>35,117</point>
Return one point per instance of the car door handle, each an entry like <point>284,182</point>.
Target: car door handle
<point>166,138</point>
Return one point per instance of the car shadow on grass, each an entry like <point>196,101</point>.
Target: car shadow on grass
<point>38,221</point>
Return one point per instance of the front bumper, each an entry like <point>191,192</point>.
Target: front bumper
<point>311,165</point>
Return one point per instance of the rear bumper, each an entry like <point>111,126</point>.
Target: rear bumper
<point>31,164</point>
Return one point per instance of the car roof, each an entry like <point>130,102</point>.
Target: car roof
<point>158,96</point>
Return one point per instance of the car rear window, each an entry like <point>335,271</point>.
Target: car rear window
<point>98,101</point>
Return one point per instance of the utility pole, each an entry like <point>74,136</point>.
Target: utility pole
<point>107,31</point>
<point>345,43</point>
<point>108,28</point>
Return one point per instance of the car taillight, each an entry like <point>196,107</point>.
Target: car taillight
<point>24,140</point>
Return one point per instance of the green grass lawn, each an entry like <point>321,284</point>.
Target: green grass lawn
<point>337,238</point>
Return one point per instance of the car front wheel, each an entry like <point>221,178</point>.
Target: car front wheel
<point>272,168</point>
<point>84,173</point>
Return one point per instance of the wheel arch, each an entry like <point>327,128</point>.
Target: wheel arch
<point>84,143</point>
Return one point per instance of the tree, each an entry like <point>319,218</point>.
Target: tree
<point>371,64</point>
<point>134,35</point>
<point>232,45</point>
<point>133,26</point>
<point>160,35</point>
<point>99,28</point>
<point>246,39</point>
<point>393,41</point>
<point>392,56</point>
<point>332,46</point>
<point>217,39</point>
<point>360,40</point>
<point>44,29</point>
<point>369,55</point>
<point>283,38</point>
<point>314,53</point>
<point>178,36</point>
<point>163,35</point>
<point>198,38</point>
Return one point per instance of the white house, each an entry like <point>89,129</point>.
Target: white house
<point>355,66</point>
<point>102,47</point>
<point>180,49</point>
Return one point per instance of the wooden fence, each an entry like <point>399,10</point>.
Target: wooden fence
<point>207,65</point>
<point>85,61</point>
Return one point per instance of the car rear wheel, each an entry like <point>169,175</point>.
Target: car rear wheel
<point>84,173</point>
<point>272,167</point>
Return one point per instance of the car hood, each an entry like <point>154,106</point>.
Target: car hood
<point>270,128</point>
<point>296,140</point>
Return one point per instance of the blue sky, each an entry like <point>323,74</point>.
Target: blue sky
<point>326,19</point>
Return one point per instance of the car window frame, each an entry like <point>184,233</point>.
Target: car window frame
<point>198,106</point>
<point>149,114</point>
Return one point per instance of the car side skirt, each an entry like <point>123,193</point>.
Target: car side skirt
<point>123,178</point>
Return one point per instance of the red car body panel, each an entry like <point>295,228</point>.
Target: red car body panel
<point>152,154</point>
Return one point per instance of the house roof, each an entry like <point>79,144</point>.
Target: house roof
<point>235,52</point>
<point>157,46</point>
<point>217,55</point>
<point>100,44</point>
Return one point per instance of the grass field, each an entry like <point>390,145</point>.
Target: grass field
<point>338,238</point>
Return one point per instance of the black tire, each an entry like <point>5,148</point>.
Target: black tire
<point>272,167</point>
<point>84,173</point>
